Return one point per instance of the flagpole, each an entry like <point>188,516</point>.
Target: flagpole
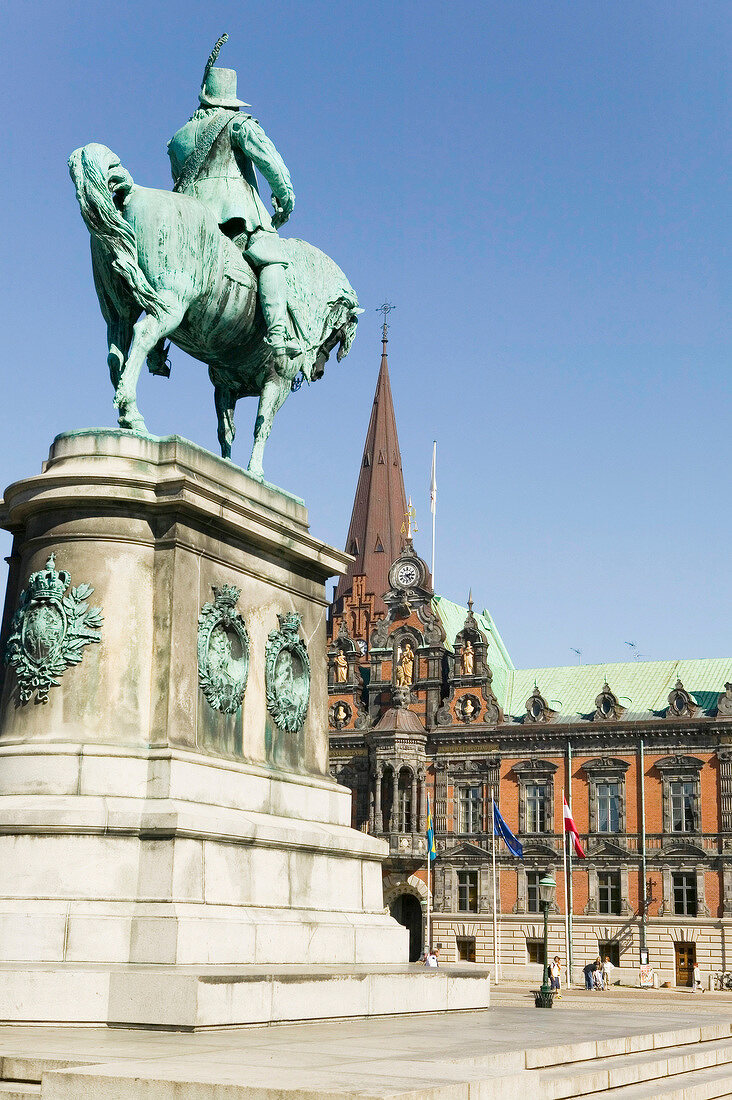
<point>570,960</point>
<point>433,504</point>
<point>566,902</point>
<point>495,904</point>
<point>430,842</point>
<point>428,944</point>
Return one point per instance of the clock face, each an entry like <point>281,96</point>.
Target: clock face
<point>407,575</point>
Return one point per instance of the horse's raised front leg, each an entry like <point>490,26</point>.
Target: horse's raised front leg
<point>146,333</point>
<point>225,402</point>
<point>273,394</point>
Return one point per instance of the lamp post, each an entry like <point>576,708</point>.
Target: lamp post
<point>544,997</point>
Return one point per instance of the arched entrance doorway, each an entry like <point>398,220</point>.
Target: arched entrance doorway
<point>406,909</point>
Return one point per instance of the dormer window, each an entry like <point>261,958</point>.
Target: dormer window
<point>680,703</point>
<point>607,705</point>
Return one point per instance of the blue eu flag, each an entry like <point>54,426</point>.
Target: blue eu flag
<point>500,828</point>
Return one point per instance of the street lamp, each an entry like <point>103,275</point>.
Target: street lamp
<point>544,997</point>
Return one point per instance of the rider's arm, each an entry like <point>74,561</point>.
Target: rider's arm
<point>255,144</point>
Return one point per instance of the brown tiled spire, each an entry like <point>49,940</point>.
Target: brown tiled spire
<point>374,536</point>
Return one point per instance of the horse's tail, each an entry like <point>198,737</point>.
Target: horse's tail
<point>90,169</point>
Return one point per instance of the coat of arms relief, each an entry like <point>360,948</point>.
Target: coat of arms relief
<point>287,674</point>
<point>223,650</point>
<point>49,631</point>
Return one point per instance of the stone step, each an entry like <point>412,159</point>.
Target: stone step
<point>31,1069</point>
<point>704,1084</point>
<point>601,1074</point>
<point>550,1057</point>
<point>19,1090</point>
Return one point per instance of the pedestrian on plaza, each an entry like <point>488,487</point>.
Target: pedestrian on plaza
<point>598,976</point>
<point>555,976</point>
<point>607,971</point>
<point>430,958</point>
<point>588,970</point>
<point>697,980</point>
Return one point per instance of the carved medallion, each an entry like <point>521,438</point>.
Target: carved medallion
<point>49,631</point>
<point>287,674</point>
<point>223,650</point>
<point>468,708</point>
<point>339,715</point>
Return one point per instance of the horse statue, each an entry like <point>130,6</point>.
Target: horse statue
<point>164,270</point>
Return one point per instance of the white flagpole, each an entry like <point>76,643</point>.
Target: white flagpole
<point>433,503</point>
<point>568,978</point>
<point>428,944</point>
<point>495,904</point>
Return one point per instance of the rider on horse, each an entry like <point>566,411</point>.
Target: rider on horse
<point>213,158</point>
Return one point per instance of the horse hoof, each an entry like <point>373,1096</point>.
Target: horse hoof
<point>133,424</point>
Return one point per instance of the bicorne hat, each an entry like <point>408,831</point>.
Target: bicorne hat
<point>219,89</point>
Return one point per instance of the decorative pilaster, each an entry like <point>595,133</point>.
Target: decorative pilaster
<point>725,788</point>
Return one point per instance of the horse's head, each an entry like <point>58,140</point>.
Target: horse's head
<point>348,332</point>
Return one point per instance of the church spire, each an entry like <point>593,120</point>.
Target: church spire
<point>378,509</point>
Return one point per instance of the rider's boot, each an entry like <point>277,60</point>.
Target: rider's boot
<point>273,300</point>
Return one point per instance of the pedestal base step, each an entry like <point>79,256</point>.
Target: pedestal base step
<point>191,999</point>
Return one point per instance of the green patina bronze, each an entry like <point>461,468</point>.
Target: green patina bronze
<point>204,267</point>
<point>287,674</point>
<point>223,650</point>
<point>49,631</point>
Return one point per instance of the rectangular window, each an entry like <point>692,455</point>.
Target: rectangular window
<point>532,891</point>
<point>608,807</point>
<point>609,892</point>
<point>468,891</point>
<point>405,807</point>
<point>684,895</point>
<point>471,809</point>
<point>535,951</point>
<point>611,948</point>
<point>465,949</point>
<point>535,807</point>
<point>682,806</point>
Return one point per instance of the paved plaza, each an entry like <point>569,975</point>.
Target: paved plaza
<point>499,1052</point>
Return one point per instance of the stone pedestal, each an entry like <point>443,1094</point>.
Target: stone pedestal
<point>139,824</point>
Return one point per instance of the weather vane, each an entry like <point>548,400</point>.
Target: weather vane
<point>385,308</point>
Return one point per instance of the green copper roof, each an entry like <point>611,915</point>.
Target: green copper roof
<point>452,617</point>
<point>642,687</point>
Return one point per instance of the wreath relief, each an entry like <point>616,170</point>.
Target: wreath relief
<point>287,674</point>
<point>223,650</point>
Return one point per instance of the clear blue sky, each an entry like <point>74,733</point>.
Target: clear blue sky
<point>538,187</point>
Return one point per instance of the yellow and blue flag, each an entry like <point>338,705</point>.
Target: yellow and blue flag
<point>431,852</point>
<point>500,828</point>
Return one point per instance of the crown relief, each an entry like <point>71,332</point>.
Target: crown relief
<point>49,631</point>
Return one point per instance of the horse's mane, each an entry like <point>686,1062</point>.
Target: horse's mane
<point>89,168</point>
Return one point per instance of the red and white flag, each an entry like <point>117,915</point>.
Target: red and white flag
<point>570,827</point>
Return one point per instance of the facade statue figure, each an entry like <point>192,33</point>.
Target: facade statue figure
<point>213,158</point>
<point>468,658</point>
<point>405,666</point>
<point>340,663</point>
